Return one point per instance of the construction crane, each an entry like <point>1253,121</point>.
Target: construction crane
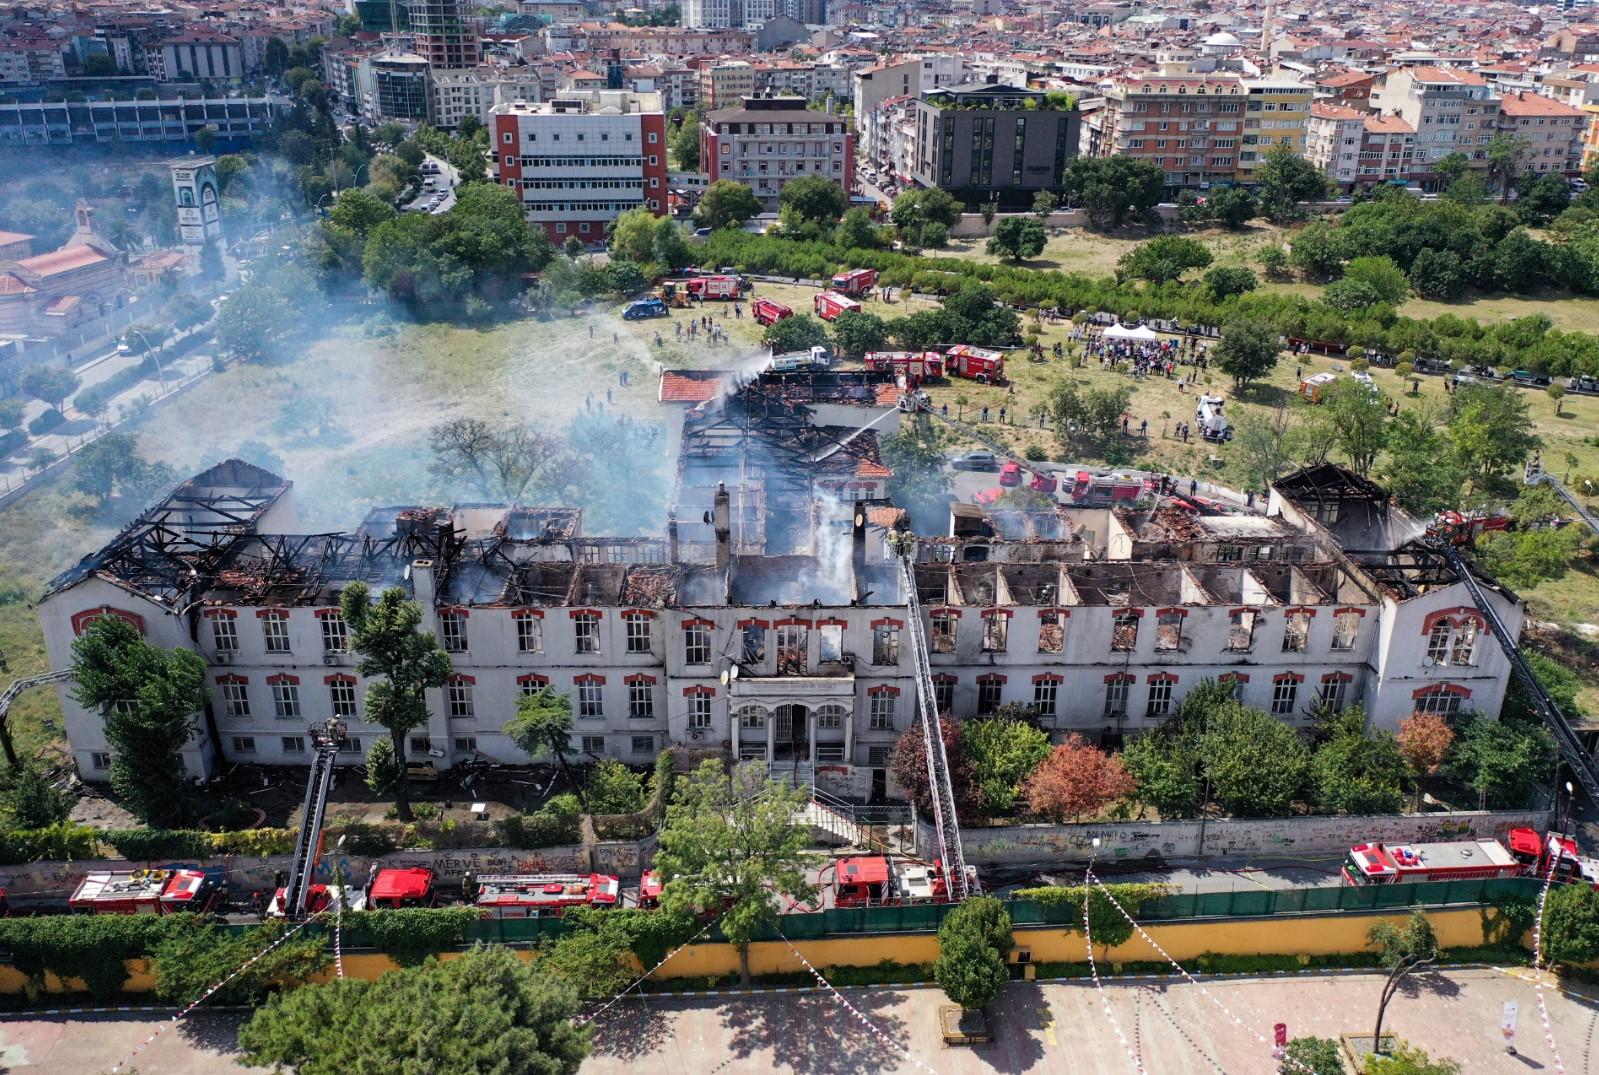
<point>1571,749</point>
<point>12,693</point>
<point>939,789</point>
<point>295,899</point>
<point>1536,475</point>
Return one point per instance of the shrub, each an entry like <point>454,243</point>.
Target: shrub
<point>46,422</point>
<point>411,934</point>
<point>61,841</point>
<point>360,840</point>
<point>189,961</point>
<point>532,831</point>
<point>148,845</point>
<point>93,948</point>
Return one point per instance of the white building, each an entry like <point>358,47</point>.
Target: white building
<point>476,92</point>
<point>894,79</point>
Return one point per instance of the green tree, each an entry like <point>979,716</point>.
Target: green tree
<point>671,248</point>
<point>1438,274</point>
<point>633,236</point>
<point>1409,1060</point>
<point>1255,763</point>
<point>543,725</point>
<point>1525,558</point>
<point>502,1015</point>
<point>973,941</point>
<point>112,464</point>
<point>1359,421</point>
<point>1571,924</point>
<point>574,247</point>
<point>1544,199</point>
<point>1357,770</point>
<point>1450,167</point>
<point>384,773</point>
<point>1420,471</point>
<point>920,483</point>
<point>401,662</point>
<point>798,333</point>
<point>358,211</point>
<point>813,198</point>
<point>1490,430</point>
<point>1401,949</point>
<point>1231,207</point>
<point>51,384</point>
<point>1088,415</point>
<point>1316,251</point>
<point>685,143</point>
<point>729,844</point>
<point>1005,753</point>
<point>1166,774</point>
<point>1163,259</point>
<point>913,210</point>
<point>1248,351</point>
<point>855,231</point>
<point>29,801</point>
<point>973,314</point>
<point>276,56</point>
<point>1045,202</point>
<point>1385,278</point>
<point>625,277</point>
<point>1283,181</point>
<point>1504,763</point>
<point>1017,238</point>
<point>1225,281</point>
<point>99,65</point>
<point>1110,189</point>
<point>1507,154</point>
<point>185,311</point>
<point>1312,1056</point>
<point>188,962</point>
<point>726,203</point>
<point>855,333</point>
<point>613,788</point>
<point>13,412</point>
<point>148,697</point>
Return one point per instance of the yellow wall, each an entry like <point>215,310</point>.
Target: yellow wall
<point>1321,935</point>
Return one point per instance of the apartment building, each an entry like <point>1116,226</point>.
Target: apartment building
<point>444,34</point>
<point>1276,112</point>
<point>1552,131</point>
<point>726,83</point>
<point>895,80</point>
<point>201,54</point>
<point>984,142</point>
<point>476,92</point>
<point>1451,110</point>
<point>812,81</point>
<point>580,160</point>
<point>29,63</point>
<point>1387,149</point>
<point>770,140</point>
<point>396,86</point>
<point>1332,141</point>
<point>1191,125</point>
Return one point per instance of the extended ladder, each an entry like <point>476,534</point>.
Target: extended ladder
<point>1536,476</point>
<point>308,845</point>
<point>939,788</point>
<point>14,691</point>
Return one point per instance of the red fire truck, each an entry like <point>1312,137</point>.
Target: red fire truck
<point>857,283</point>
<point>767,312</point>
<point>829,305</point>
<point>1455,860</point>
<point>975,363</point>
<point>1465,527</point>
<point>649,890</point>
<point>410,886</point>
<point>1539,852</point>
<point>921,365</point>
<point>887,880</point>
<point>726,288</point>
<point>545,895</point>
<point>148,892</point>
<point>1102,490</point>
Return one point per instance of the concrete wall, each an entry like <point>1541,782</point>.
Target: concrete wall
<point>1242,836</point>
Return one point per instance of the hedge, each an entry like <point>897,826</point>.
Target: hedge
<point>146,845</point>
<point>90,947</point>
<point>46,422</point>
<point>411,934</point>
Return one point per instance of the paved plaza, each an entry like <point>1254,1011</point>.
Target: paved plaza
<point>1046,1028</point>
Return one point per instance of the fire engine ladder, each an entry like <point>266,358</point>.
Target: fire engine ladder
<point>1576,757</point>
<point>939,789</point>
<point>1535,477</point>
<point>308,846</point>
<point>12,693</point>
<point>914,405</point>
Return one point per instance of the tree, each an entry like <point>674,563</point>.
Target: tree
<point>855,333</point>
<point>543,725</point>
<point>99,65</point>
<point>1385,278</point>
<point>1401,949</point>
<point>1359,420</point>
<point>908,764</point>
<point>1312,1056</point>
<point>259,317</point>
<point>914,210</point>
<point>1489,429</point>
<point>1004,753</point>
<point>726,203</point>
<point>1421,472</point>
<point>1316,251</point>
<point>1110,189</point>
<point>1091,415</point>
<point>1349,296</point>
<point>855,231</point>
<point>1231,207</point>
<point>148,697</point>
<point>1165,774</point>
<point>506,463</point>
<point>13,412</point>
<point>1255,763</point>
<point>1357,770</point>
<point>1076,781</point>
<point>574,247</point>
<point>384,772</point>
<point>920,483</point>
<point>112,464</point>
<point>1450,167</point>
<point>502,1015</point>
<point>1546,198</point>
<point>1045,202</point>
<point>798,333</point>
<point>1225,281</point>
<point>729,844</point>
<point>613,788</point>
<point>1525,558</point>
<point>52,384</point>
<point>1409,1060</point>
<point>359,211</point>
<point>1273,259</point>
<point>1571,924</point>
<point>403,661</point>
<point>1556,393</point>
<point>989,210</point>
<point>633,235</point>
<point>813,198</point>
<point>1504,763</point>
<point>1438,274</point>
<point>276,56</point>
<point>972,313</point>
<point>29,801</point>
<point>185,311</point>
<point>625,277</point>
<point>671,248</point>
<point>1163,259</point>
<point>1506,155</point>
<point>685,143</point>
<point>1017,238</point>
<point>1284,180</point>
<point>1248,351</point>
<point>1424,742</point>
<point>973,940</point>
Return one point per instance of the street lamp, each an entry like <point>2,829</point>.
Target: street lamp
<point>155,354</point>
<point>1565,828</point>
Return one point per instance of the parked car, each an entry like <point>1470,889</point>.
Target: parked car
<point>1010,474</point>
<point>978,460</point>
<point>1588,386</point>
<point>1530,379</point>
<point>1433,365</point>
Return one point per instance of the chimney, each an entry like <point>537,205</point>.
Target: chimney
<point>671,540</point>
<point>422,585</point>
<point>722,519</point>
<point>858,533</point>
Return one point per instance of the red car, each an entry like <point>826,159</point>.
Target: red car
<point>1010,474</point>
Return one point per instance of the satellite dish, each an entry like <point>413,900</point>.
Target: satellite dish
<point>732,672</point>
<point>726,679</point>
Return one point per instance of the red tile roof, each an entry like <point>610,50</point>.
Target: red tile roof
<point>11,285</point>
<point>1388,125</point>
<point>9,237</point>
<point>64,260</point>
<point>1531,104</point>
<point>690,386</point>
<point>888,395</point>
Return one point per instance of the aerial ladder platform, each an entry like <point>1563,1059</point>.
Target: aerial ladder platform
<point>1537,475</point>
<point>294,901</point>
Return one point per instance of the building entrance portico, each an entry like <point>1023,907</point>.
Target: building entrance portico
<point>783,730</point>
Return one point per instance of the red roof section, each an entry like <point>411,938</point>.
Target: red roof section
<point>690,386</point>
<point>64,260</point>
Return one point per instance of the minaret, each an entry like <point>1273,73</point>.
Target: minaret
<point>1265,31</point>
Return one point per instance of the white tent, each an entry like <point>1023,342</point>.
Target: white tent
<point>1121,332</point>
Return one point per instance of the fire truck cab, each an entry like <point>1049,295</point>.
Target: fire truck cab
<point>545,895</point>
<point>1464,527</point>
<point>320,898</point>
<point>975,363</point>
<point>829,305</point>
<point>148,892</point>
<point>1455,860</point>
<point>879,880</point>
<point>1102,490</point>
<point>767,312</point>
<point>1539,852</point>
<point>649,890</point>
<point>411,886</point>
<point>857,283</point>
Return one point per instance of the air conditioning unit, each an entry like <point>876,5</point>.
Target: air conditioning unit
<point>222,656</point>
<point>330,658</point>
<point>696,733</point>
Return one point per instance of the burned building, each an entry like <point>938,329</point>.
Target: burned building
<point>770,620</point>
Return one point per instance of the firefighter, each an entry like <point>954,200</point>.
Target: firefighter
<point>468,888</point>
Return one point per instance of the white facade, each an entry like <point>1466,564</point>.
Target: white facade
<point>458,94</point>
<point>1332,141</point>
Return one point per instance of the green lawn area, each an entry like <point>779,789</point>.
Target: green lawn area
<point>1078,250</point>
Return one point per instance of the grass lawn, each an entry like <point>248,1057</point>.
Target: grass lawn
<point>1078,250</point>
